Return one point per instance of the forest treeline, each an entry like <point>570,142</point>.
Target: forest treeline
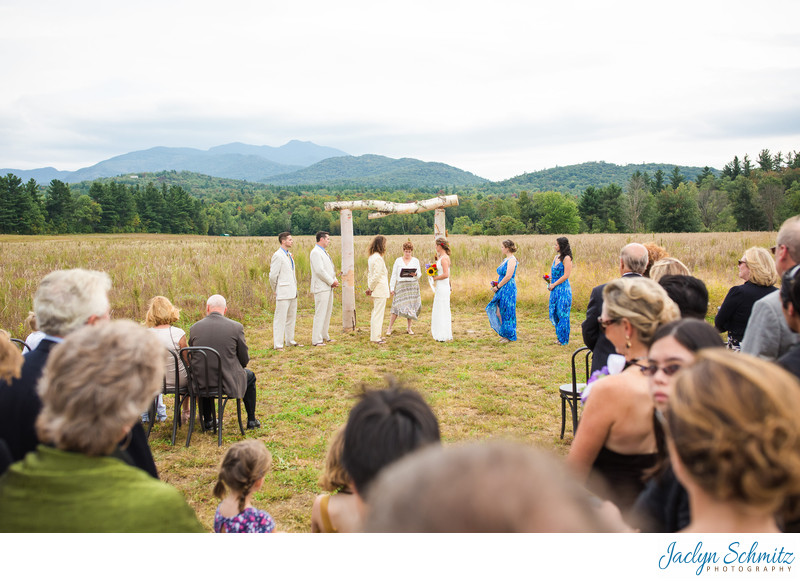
<point>746,196</point>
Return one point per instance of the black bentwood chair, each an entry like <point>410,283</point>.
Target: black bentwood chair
<point>174,390</point>
<point>205,381</point>
<point>571,393</point>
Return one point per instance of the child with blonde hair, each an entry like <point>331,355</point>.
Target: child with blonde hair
<point>241,474</point>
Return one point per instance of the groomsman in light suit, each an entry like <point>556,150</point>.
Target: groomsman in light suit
<point>283,281</point>
<point>323,282</point>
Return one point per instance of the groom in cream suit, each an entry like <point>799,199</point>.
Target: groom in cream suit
<point>283,281</point>
<point>323,282</point>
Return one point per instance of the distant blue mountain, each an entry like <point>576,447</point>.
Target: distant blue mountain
<point>237,161</point>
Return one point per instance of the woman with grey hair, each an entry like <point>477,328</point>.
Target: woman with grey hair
<point>93,387</point>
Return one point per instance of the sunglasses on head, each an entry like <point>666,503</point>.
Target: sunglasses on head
<point>652,369</point>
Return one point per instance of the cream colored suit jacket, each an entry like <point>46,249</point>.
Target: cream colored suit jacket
<point>323,273</point>
<point>282,276</point>
<point>378,276</point>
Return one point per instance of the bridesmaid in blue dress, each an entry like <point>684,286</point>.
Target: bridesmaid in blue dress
<point>502,309</point>
<point>560,291</point>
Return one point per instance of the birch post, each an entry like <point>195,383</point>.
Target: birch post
<point>382,208</point>
<point>348,272</point>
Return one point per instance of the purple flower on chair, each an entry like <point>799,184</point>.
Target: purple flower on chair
<point>596,375</point>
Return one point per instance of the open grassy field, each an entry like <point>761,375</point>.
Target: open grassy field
<point>478,388</point>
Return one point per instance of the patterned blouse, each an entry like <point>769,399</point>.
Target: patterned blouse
<point>251,520</point>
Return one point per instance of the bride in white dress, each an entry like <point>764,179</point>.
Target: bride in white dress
<point>441,323</point>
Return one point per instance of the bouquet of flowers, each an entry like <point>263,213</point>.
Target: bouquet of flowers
<point>494,283</point>
<point>432,270</point>
<point>546,278</point>
<point>616,363</point>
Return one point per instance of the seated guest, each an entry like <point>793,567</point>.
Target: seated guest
<point>35,336</point>
<point>689,294</point>
<point>337,512</point>
<point>615,443</point>
<point>384,426</point>
<point>64,302</point>
<point>667,266</point>
<point>654,254</point>
<point>161,314</point>
<point>482,488</point>
<point>790,299</point>
<point>757,269</point>
<point>93,387</point>
<point>227,337</point>
<point>768,335</point>
<point>10,366</point>
<point>632,263</point>
<point>663,506</point>
<point>241,474</point>
<point>734,442</point>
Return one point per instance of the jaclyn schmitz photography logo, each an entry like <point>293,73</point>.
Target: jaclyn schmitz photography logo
<point>736,557</point>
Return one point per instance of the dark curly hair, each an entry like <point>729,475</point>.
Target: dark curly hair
<point>564,249</point>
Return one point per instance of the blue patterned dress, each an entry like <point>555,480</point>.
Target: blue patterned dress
<point>560,303</point>
<point>502,309</point>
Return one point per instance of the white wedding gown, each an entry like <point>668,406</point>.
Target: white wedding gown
<point>441,323</point>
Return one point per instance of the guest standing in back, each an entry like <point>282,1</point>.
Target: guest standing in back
<point>757,269</point>
<point>323,282</point>
<point>406,299</point>
<point>560,290</point>
<point>377,287</point>
<point>502,309</point>
<point>441,321</point>
<point>283,280</point>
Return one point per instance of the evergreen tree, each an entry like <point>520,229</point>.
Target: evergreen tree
<point>677,210</point>
<point>658,182</point>
<point>743,197</point>
<point>676,178</point>
<point>60,207</point>
<point>765,160</point>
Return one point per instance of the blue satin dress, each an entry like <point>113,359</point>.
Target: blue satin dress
<point>560,303</point>
<point>502,309</point>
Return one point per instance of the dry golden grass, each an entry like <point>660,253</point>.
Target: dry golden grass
<point>478,388</point>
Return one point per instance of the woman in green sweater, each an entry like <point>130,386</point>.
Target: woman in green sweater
<point>94,386</point>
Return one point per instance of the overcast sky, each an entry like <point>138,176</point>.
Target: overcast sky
<point>497,88</point>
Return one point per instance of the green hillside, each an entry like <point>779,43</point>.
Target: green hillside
<point>576,178</point>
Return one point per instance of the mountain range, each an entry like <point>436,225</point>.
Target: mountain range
<point>299,163</point>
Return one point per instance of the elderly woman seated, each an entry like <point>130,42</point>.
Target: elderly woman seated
<point>93,387</point>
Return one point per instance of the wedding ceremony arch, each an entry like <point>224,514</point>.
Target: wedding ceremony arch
<point>381,208</point>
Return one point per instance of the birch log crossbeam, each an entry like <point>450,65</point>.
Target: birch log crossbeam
<point>385,208</point>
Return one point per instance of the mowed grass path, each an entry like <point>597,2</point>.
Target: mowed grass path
<point>478,388</point>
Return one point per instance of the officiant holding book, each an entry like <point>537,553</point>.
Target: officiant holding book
<point>404,288</point>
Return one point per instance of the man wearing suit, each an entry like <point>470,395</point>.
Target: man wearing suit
<point>227,337</point>
<point>323,282</point>
<point>64,302</point>
<point>283,281</point>
<point>632,263</point>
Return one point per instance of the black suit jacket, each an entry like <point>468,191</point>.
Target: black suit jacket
<point>20,405</point>
<point>593,336</point>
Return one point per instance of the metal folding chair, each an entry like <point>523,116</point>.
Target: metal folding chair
<point>571,393</point>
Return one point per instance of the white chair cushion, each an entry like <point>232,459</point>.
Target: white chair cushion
<point>567,388</point>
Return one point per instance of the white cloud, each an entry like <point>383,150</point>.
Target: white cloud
<point>494,88</point>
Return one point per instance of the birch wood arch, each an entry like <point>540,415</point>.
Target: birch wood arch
<point>381,208</point>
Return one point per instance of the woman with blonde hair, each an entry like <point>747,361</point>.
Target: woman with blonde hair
<point>615,443</point>
<point>377,287</point>
<point>94,384</point>
<point>734,442</point>
<point>757,269</point>
<point>668,266</point>
<point>161,314</point>
<point>404,288</point>
<point>337,512</point>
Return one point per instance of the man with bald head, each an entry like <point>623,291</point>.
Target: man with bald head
<point>227,337</point>
<point>632,263</point>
